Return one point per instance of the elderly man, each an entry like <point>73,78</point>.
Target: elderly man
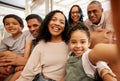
<point>99,22</point>
<point>97,19</point>
<point>9,58</point>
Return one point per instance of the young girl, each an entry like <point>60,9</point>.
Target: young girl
<point>18,42</point>
<point>80,66</point>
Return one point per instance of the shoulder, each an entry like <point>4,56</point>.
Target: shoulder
<point>85,54</point>
<point>87,21</point>
<point>26,32</point>
<point>40,44</point>
<point>89,68</point>
<point>102,46</point>
<point>7,38</point>
<point>27,35</point>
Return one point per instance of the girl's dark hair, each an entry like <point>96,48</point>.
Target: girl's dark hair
<point>44,33</point>
<point>79,26</point>
<point>15,17</point>
<point>80,12</point>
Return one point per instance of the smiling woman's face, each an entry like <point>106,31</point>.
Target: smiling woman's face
<point>57,24</point>
<point>75,14</point>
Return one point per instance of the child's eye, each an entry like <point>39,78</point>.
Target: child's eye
<point>14,23</point>
<point>6,23</point>
<point>73,42</point>
<point>83,42</point>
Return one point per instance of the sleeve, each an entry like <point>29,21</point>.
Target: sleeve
<point>102,65</point>
<point>3,46</point>
<point>32,67</point>
<point>87,65</point>
<point>28,35</point>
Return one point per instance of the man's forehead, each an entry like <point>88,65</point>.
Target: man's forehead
<point>93,7</point>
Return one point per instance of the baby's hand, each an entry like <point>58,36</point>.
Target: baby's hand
<point>5,71</point>
<point>19,68</point>
<point>8,69</point>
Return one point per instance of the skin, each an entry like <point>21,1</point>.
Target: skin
<point>10,58</point>
<point>94,12</point>
<point>56,27</point>
<point>116,18</point>
<point>34,25</point>
<point>115,5</point>
<point>75,14</point>
<point>12,26</point>
<point>108,77</point>
<point>109,54</point>
<point>78,42</point>
<point>101,36</point>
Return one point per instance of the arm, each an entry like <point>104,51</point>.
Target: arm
<point>116,19</point>
<point>32,67</point>
<point>101,36</point>
<point>104,52</point>
<point>4,71</point>
<point>107,53</point>
<point>19,68</point>
<point>106,76</point>
<point>62,79</point>
<point>26,54</point>
<point>105,71</point>
<point>10,58</point>
<point>27,48</point>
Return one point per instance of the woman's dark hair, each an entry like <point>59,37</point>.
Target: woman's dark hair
<point>80,12</point>
<point>79,26</point>
<point>44,33</point>
<point>15,17</point>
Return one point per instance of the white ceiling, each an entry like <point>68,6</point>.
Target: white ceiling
<point>65,6</point>
<point>18,6</point>
<point>19,3</point>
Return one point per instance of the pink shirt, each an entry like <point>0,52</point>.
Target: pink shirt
<point>52,55</point>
